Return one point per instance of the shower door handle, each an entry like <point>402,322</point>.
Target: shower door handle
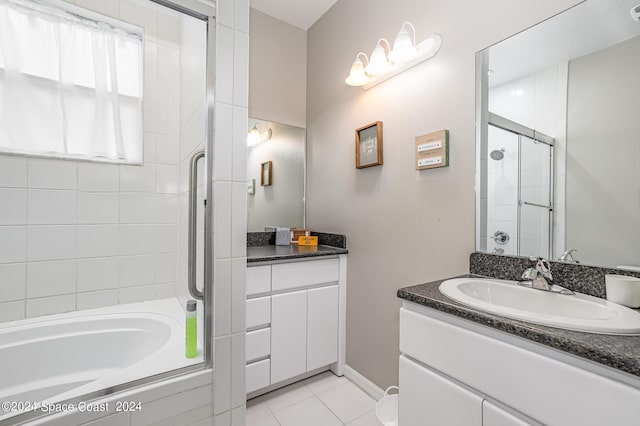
<point>193,214</point>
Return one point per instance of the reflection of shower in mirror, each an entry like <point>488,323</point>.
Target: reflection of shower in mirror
<point>497,154</point>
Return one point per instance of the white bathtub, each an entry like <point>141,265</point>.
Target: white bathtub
<point>65,356</point>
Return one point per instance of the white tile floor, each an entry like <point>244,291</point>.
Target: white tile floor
<point>322,400</point>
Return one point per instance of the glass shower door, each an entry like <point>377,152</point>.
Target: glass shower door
<point>536,198</point>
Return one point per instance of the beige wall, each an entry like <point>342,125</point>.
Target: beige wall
<point>403,227</point>
<point>603,173</point>
<point>277,70</point>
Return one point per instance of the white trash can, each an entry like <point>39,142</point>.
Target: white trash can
<point>387,408</point>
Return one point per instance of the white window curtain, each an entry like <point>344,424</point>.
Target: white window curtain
<point>70,86</point>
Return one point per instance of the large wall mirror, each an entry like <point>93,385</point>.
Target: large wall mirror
<point>558,140</point>
<point>275,175</point>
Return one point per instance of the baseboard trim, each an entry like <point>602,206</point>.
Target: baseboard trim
<point>363,383</point>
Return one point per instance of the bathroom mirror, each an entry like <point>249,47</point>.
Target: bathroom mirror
<point>275,175</point>
<point>558,146</point>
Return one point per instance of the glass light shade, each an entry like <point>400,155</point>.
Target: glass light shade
<point>357,76</point>
<point>378,63</point>
<point>403,48</point>
<point>253,137</point>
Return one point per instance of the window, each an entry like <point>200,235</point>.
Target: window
<point>70,84</point>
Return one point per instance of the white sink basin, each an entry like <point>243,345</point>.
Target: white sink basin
<point>572,312</point>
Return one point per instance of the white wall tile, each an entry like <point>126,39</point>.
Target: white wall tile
<point>166,208</point>
<point>166,238</point>
<point>238,367</point>
<point>238,416</point>
<point>241,69</point>
<point>137,208</point>
<point>171,406</point>
<point>240,124</point>
<point>223,145</point>
<point>239,220</point>
<point>97,274</point>
<point>225,12</point>
<point>238,294</point>
<point>138,178</point>
<point>222,297</point>
<point>109,8</point>
<point>166,290</point>
<point>136,239</point>
<point>11,311</point>
<point>150,115</point>
<point>166,267</point>
<point>222,219</point>
<point>97,240</point>
<point>98,177</point>
<point>51,242</point>
<point>13,244</point>
<point>224,64</point>
<point>51,278</point>
<point>141,14</point>
<point>168,118</point>
<point>167,149</point>
<point>51,174</point>
<point>241,15</point>
<point>119,419</point>
<point>51,305</point>
<point>222,375</point>
<point>197,414</point>
<point>137,294</point>
<point>97,207</point>
<point>223,419</point>
<point>12,281</point>
<point>13,171</point>
<point>168,26</point>
<point>48,207</point>
<point>150,141</point>
<point>14,206</point>
<point>136,270</point>
<point>167,179</point>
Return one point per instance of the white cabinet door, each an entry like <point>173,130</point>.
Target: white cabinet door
<point>495,416</point>
<point>426,398</point>
<point>288,335</point>
<point>322,327</point>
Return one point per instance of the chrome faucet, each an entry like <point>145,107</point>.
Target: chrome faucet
<point>541,278</point>
<point>567,256</point>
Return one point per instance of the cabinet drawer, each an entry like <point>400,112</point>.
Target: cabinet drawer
<point>258,279</point>
<point>258,312</point>
<point>258,344</point>
<point>299,274</point>
<point>258,375</point>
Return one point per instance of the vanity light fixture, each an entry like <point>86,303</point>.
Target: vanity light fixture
<point>257,135</point>
<point>404,55</point>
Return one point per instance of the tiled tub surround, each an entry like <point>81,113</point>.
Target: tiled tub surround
<point>79,235</point>
<point>618,352</point>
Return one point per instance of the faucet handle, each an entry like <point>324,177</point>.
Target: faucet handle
<point>530,274</point>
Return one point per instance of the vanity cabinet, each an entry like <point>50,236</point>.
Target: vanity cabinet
<point>456,372</point>
<point>295,321</point>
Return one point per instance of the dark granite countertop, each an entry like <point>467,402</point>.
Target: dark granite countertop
<point>269,253</point>
<point>619,352</point>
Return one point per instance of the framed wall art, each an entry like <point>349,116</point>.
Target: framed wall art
<point>369,145</point>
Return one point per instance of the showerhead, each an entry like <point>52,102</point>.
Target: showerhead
<point>497,154</point>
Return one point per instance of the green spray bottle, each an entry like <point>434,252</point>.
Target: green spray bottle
<point>191,330</point>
